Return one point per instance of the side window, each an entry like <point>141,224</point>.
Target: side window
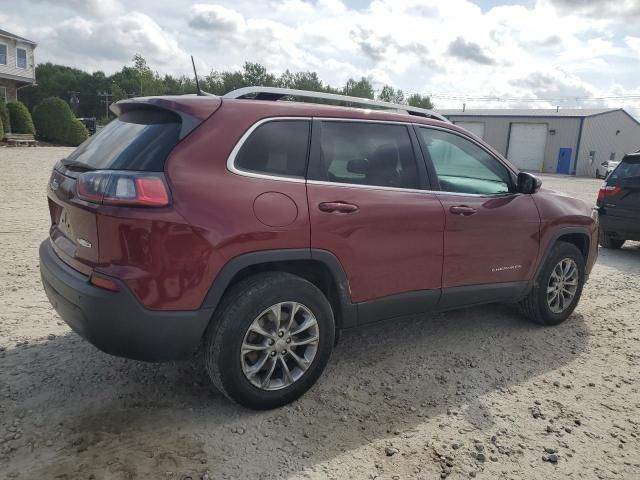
<point>21,58</point>
<point>277,147</point>
<point>462,166</point>
<point>366,153</point>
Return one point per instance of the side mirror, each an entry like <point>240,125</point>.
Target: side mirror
<point>358,165</point>
<point>528,184</point>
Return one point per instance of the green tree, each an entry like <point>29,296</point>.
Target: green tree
<point>391,95</point>
<point>420,101</point>
<point>301,81</point>
<point>359,88</point>
<point>20,118</point>
<point>254,74</point>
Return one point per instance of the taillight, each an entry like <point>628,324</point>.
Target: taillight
<point>608,191</point>
<point>123,188</point>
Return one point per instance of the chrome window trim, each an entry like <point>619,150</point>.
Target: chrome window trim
<point>231,166</point>
<point>405,190</point>
<point>367,187</point>
<point>246,173</point>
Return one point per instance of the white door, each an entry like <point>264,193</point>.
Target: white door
<point>527,144</point>
<point>477,128</point>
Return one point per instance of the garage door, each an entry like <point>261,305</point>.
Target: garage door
<point>477,128</point>
<point>526,145</point>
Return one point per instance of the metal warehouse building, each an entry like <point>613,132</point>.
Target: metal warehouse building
<point>571,141</point>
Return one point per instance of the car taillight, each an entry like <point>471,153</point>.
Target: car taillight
<point>123,188</point>
<point>608,191</point>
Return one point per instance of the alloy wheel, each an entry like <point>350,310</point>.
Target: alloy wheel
<point>280,345</point>
<point>563,285</point>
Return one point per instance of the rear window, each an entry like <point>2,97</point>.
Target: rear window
<point>629,169</point>
<point>278,147</point>
<point>136,140</point>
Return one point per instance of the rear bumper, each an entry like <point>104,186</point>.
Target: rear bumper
<point>622,227</point>
<point>116,322</point>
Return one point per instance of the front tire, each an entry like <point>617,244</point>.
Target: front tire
<point>269,340</point>
<point>558,288</point>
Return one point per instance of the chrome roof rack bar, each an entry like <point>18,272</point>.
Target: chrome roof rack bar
<point>275,93</point>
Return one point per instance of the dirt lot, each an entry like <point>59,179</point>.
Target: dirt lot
<point>476,393</point>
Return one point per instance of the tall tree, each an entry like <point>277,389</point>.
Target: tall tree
<point>420,101</point>
<point>391,95</point>
<point>359,88</point>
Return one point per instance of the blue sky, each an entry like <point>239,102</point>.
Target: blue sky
<point>550,49</point>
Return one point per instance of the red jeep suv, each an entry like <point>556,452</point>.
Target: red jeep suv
<point>257,229</point>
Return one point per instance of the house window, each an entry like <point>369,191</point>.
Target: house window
<point>612,157</point>
<point>592,156</point>
<point>21,58</point>
<point>3,54</point>
<point>3,94</point>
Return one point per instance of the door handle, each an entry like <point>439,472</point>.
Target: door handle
<point>463,210</point>
<point>340,207</point>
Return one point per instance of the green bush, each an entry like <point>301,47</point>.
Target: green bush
<point>20,118</point>
<point>4,117</point>
<point>56,123</point>
<point>77,133</point>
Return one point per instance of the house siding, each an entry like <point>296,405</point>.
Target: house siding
<point>11,69</point>
<point>599,135</point>
<point>496,134</point>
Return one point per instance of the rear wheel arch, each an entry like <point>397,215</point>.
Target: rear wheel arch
<point>319,267</point>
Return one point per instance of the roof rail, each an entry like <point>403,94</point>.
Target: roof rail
<point>276,93</point>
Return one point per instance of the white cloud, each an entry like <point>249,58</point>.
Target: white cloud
<point>573,47</point>
<point>112,41</point>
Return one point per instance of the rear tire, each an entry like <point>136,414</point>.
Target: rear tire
<point>256,315</point>
<point>556,277</point>
<point>612,243</point>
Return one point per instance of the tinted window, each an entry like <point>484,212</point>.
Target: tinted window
<point>276,148</point>
<point>629,169</point>
<point>21,58</point>
<point>366,153</point>
<point>462,166</point>
<point>136,140</point>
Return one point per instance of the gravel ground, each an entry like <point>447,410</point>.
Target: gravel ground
<point>474,393</point>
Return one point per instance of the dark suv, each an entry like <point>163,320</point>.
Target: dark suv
<point>619,203</point>
<point>257,229</point>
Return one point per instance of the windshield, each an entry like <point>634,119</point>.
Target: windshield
<point>137,140</point>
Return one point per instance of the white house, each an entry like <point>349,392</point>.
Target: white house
<point>17,65</point>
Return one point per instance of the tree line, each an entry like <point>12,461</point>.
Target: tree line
<point>89,94</point>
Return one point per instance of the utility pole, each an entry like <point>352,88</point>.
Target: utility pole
<point>74,101</point>
<point>106,99</point>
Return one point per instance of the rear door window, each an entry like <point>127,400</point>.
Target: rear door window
<point>278,147</point>
<point>375,154</point>
<point>136,140</point>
